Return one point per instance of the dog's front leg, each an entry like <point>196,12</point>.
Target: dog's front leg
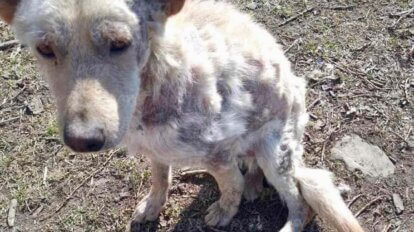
<point>230,182</point>
<point>151,205</point>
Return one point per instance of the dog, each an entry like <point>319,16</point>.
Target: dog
<point>187,83</point>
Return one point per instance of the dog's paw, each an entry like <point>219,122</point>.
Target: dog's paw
<point>134,226</point>
<point>218,216</point>
<point>147,209</point>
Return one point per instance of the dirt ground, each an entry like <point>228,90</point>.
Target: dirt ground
<point>364,48</point>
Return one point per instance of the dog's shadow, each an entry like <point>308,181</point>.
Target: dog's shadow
<point>267,213</point>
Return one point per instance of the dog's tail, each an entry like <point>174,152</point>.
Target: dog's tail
<point>324,198</point>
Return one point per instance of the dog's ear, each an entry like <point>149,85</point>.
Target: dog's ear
<point>172,7</point>
<point>7,9</point>
<point>165,8</point>
<point>157,11</point>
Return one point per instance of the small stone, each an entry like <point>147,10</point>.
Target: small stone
<point>35,106</point>
<point>316,75</point>
<point>398,203</point>
<point>252,6</point>
<point>163,223</point>
<point>351,111</point>
<point>124,195</point>
<point>319,125</point>
<point>358,154</point>
<point>326,87</point>
<point>329,68</point>
<point>181,188</point>
<point>12,213</point>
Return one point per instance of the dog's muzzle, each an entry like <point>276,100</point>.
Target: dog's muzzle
<point>84,139</point>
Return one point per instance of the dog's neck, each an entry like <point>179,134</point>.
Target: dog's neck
<point>164,65</point>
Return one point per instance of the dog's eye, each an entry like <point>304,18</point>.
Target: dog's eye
<point>119,46</point>
<point>46,51</point>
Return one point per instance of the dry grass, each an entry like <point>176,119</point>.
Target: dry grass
<point>365,82</point>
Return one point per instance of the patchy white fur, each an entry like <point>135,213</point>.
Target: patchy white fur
<point>205,87</point>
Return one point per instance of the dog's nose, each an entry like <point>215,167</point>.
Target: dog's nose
<point>90,141</point>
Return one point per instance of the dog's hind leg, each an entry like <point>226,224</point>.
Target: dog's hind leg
<point>230,182</point>
<point>151,205</point>
<point>278,159</point>
<point>253,178</point>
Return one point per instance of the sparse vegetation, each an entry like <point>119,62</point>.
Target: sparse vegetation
<point>369,92</point>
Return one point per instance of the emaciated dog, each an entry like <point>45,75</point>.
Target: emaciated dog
<point>187,83</point>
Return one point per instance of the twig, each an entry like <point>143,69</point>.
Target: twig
<point>407,95</point>
<point>216,230</point>
<point>409,11</point>
<point>367,95</point>
<point>349,7</point>
<point>45,176</point>
<point>293,18</point>
<point>399,227</point>
<point>193,172</point>
<point>402,15</point>
<point>363,47</point>
<point>347,70</point>
<point>14,97</point>
<point>37,211</point>
<point>408,133</point>
<point>313,104</point>
<point>354,200</point>
<point>65,202</point>
<point>359,73</point>
<point>323,150</point>
<point>4,122</point>
<point>314,117</point>
<point>140,185</point>
<point>367,205</point>
<point>8,44</point>
<point>387,228</point>
<point>52,139</point>
<point>291,46</point>
<point>399,136</point>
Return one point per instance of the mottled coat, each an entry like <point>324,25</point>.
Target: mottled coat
<point>187,83</point>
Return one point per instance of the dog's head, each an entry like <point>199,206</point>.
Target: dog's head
<point>91,53</point>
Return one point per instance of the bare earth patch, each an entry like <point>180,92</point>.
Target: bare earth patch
<point>358,58</point>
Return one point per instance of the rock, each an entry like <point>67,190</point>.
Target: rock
<point>252,6</point>
<point>325,72</point>
<point>35,106</point>
<point>124,195</point>
<point>358,154</point>
<point>11,218</point>
<point>319,125</point>
<point>398,203</point>
<point>163,223</point>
